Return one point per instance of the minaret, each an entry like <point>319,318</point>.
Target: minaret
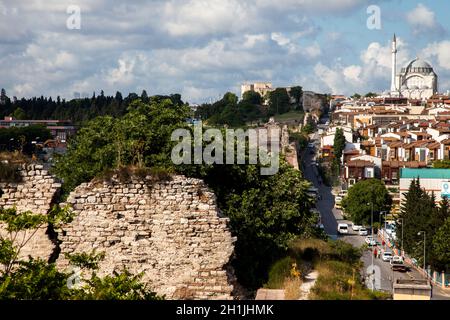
<point>394,64</point>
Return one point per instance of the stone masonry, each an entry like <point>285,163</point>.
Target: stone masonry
<point>171,231</point>
<point>34,193</point>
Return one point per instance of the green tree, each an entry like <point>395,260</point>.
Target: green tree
<point>19,114</point>
<point>358,202</point>
<point>441,246</point>
<point>252,97</point>
<point>144,96</point>
<point>339,144</point>
<point>417,211</point>
<point>141,138</point>
<point>297,94</point>
<point>279,101</point>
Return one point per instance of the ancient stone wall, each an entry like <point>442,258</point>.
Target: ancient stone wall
<point>35,192</point>
<point>171,231</point>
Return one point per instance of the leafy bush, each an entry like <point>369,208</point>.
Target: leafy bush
<point>278,273</point>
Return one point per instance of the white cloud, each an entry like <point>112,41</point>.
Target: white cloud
<point>352,73</point>
<point>200,48</point>
<point>202,17</point>
<point>440,50</point>
<point>280,39</point>
<point>123,74</point>
<point>422,19</point>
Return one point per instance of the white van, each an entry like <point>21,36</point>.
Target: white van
<point>342,228</point>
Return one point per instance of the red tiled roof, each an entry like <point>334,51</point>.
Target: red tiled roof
<point>360,163</point>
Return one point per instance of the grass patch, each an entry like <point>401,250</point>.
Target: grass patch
<point>278,273</point>
<point>290,116</point>
<point>292,288</point>
<point>341,281</point>
<point>338,264</point>
<point>316,250</point>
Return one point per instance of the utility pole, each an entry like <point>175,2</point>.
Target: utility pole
<point>403,227</point>
<point>424,250</point>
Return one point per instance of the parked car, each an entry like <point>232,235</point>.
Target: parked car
<point>338,201</point>
<point>370,241</point>
<point>363,232</point>
<point>356,227</point>
<point>342,228</point>
<point>386,256</point>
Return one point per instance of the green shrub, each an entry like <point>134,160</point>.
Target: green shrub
<point>278,273</point>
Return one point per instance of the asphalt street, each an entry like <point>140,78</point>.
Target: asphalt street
<point>331,217</point>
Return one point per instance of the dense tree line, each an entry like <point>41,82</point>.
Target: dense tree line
<point>419,212</point>
<point>76,110</point>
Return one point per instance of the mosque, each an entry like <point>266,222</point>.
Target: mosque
<point>416,80</point>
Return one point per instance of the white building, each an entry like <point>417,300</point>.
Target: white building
<point>328,138</point>
<point>435,181</point>
<point>416,80</point>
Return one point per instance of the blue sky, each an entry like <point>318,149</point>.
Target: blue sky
<point>204,48</point>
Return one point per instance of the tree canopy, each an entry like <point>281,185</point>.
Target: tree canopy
<point>339,144</point>
<point>361,196</point>
<point>141,138</point>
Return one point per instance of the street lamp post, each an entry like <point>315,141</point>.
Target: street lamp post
<point>403,221</point>
<point>385,225</point>
<point>373,249</point>
<point>424,249</point>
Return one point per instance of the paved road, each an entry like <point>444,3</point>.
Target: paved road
<point>331,217</point>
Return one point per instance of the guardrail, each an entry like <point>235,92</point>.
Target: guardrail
<point>440,279</point>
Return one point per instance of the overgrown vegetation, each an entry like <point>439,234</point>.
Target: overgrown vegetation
<point>141,138</point>
<point>337,262</point>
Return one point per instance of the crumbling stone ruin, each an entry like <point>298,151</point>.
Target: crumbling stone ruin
<point>169,230</point>
<point>35,192</point>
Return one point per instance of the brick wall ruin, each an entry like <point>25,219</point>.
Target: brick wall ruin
<point>170,230</point>
<point>35,192</point>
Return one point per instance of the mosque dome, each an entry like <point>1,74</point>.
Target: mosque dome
<point>418,66</point>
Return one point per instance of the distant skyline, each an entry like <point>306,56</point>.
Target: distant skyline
<point>204,48</point>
